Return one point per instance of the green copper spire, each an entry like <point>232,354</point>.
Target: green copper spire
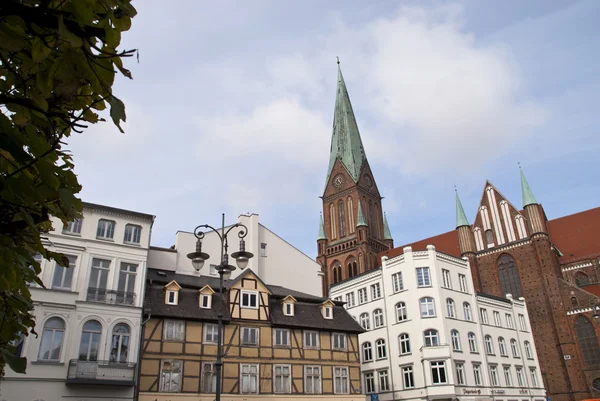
<point>461,218</point>
<point>321,230</point>
<point>346,144</point>
<point>528,198</point>
<point>360,221</point>
<point>386,228</point>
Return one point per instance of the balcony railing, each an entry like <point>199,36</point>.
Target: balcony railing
<point>101,372</point>
<point>110,296</point>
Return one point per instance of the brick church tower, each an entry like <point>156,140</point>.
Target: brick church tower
<point>353,228</point>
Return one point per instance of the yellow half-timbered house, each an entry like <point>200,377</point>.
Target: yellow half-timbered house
<point>278,343</point>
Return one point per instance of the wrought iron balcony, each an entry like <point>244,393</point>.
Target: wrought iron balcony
<point>101,372</point>
<point>110,296</point>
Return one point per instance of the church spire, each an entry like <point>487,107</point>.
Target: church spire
<point>528,198</point>
<point>346,145</point>
<point>461,218</point>
<point>321,229</point>
<point>360,221</point>
<point>387,234</point>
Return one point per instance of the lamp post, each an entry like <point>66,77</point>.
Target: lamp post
<point>224,269</point>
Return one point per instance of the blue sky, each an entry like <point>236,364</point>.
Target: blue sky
<point>231,108</point>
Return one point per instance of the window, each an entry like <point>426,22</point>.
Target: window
<point>460,373</point>
<point>170,376</point>
<point>377,318</point>
<point>507,376</point>
<point>211,332</point>
<point>446,282</point>
<point>98,280</point>
<point>338,298</point>
<point>484,315</point>
<point>249,379</point>
<point>250,335</point>
<point>63,276</point>
<point>126,287</point>
<point>312,379</point>
<point>509,276</point>
<point>533,377</point>
<point>381,349</point>
<point>173,330</point>
<point>364,321</point>
<point>514,348</point>
<point>384,384</point>
<point>520,377</point>
<point>431,338</point>
<point>341,218</point>
<point>438,372</point>
<point>205,301</point>
<point>427,307</point>
<point>489,345</point>
<point>351,225</point>
<point>502,346</point>
<point>522,324</point>
<point>408,380</point>
<point>362,296</point>
<point>90,341</point>
<point>338,341</point>
<point>172,297</point>
<point>119,350</point>
<point>337,272</point>
<point>282,383</point>
<point>397,282</point>
<point>404,341</point>
<point>581,279</point>
<point>477,374</point>
<point>311,339</point>
<point>263,249</point>
<point>288,309</point>
<point>509,321</point>
<point>133,234</point>
<point>528,351</point>
<point>472,342</point>
<point>209,378</point>
<point>367,352</point>
<point>450,308</point>
<point>455,340</point>
<point>340,380</point>
<point>73,227</point>
<point>106,229</point>
<point>281,337</point>
<point>462,281</point>
<point>497,320</point>
<point>588,343</point>
<point>423,279</point>
<point>401,312</point>
<point>467,311</point>
<point>375,291</point>
<point>349,300</point>
<point>249,299</point>
<point>494,375</point>
<point>328,314</point>
<point>369,382</point>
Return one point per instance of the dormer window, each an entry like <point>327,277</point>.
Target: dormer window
<point>249,299</point>
<point>327,309</point>
<point>205,297</point>
<point>289,309</point>
<point>172,297</point>
<point>172,293</point>
<point>328,312</point>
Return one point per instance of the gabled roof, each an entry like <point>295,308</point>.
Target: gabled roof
<point>289,298</point>
<point>208,287</point>
<point>576,235</point>
<point>173,282</point>
<point>328,302</point>
<point>231,283</point>
<point>446,243</point>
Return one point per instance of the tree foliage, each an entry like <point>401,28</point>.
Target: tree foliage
<point>58,61</point>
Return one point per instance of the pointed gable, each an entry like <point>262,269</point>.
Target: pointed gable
<point>172,289</point>
<point>327,309</point>
<point>249,297</point>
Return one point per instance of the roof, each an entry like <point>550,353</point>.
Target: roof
<point>360,221</point>
<point>355,277</point>
<point>386,228</point>
<point>576,235</point>
<point>346,145</point>
<point>111,209</point>
<point>321,229</point>
<point>188,305</point>
<point>528,198</point>
<point>494,297</point>
<point>446,243</point>
<point>461,218</point>
<point>308,315</point>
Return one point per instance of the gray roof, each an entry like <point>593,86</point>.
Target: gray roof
<point>494,297</point>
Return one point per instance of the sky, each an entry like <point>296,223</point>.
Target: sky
<point>231,109</point>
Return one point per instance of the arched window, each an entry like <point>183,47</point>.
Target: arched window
<point>351,224</point>
<point>371,222</point>
<point>367,351</point>
<point>431,338</point>
<point>90,341</point>
<point>120,343</point>
<point>404,341</point>
<point>52,339</point>
<point>427,307</point>
<point>489,345</point>
<point>472,342</point>
<point>450,307</point>
<point>581,279</point>
<point>455,340</point>
<point>377,318</point>
<point>489,238</point>
<point>352,267</point>
<point>588,343</point>
<point>401,312</point>
<point>342,218</point>
<point>332,220</point>
<point>337,272</point>
<point>502,346</point>
<point>528,351</point>
<point>509,276</point>
<point>596,385</point>
<point>364,321</point>
<point>467,311</point>
<point>380,348</point>
<point>514,348</point>
<point>574,301</point>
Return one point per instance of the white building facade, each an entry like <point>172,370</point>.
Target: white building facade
<point>430,337</point>
<point>88,318</point>
<point>275,260</point>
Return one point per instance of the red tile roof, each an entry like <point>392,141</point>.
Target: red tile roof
<point>447,243</point>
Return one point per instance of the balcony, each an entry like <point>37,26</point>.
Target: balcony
<point>110,296</point>
<point>101,372</point>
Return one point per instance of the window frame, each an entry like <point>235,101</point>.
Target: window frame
<point>462,281</point>
<point>459,368</point>
<point>494,378</point>
<point>73,227</point>
<point>365,321</point>
<point>102,234</point>
<point>401,308</point>
<point>455,339</point>
<point>472,340</point>
<point>507,376</point>
<point>250,374</point>
<point>440,367</point>
<point>383,374</point>
<point>514,347</point>
<point>288,309</point>
<point>423,277</point>
<point>369,382</point>
<point>64,272</point>
<point>208,299</point>
<point>433,338</point>
<point>408,377</point>
<point>489,345</point>
<point>468,312</point>
<point>446,279</point>
<point>339,336</point>
<point>450,308</point>
<point>404,344</point>
<point>528,349</point>
<point>214,333</point>
<point>250,295</point>
<point>375,291</point>
<point>483,315</point>
<point>366,350</point>
<point>213,378</point>
<point>477,374</point>
<point>397,282</point>
<point>177,324</point>
<point>350,301</point>
<point>313,376</point>
<point>317,339</point>
<point>502,350</point>
<point>132,234</point>
<point>362,296</point>
<point>288,342</point>
<point>249,330</point>
<point>380,349</point>
<point>429,312</point>
<point>378,320</point>
<point>345,376</point>
<point>179,371</point>
<point>287,390</point>
<point>54,330</point>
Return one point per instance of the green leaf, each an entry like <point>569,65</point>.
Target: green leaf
<point>67,35</point>
<point>117,112</point>
<point>39,50</point>
<point>17,364</point>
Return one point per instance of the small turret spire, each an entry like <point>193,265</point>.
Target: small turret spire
<point>528,198</point>
<point>461,218</point>
<point>360,221</point>
<point>321,229</point>
<point>387,234</point>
